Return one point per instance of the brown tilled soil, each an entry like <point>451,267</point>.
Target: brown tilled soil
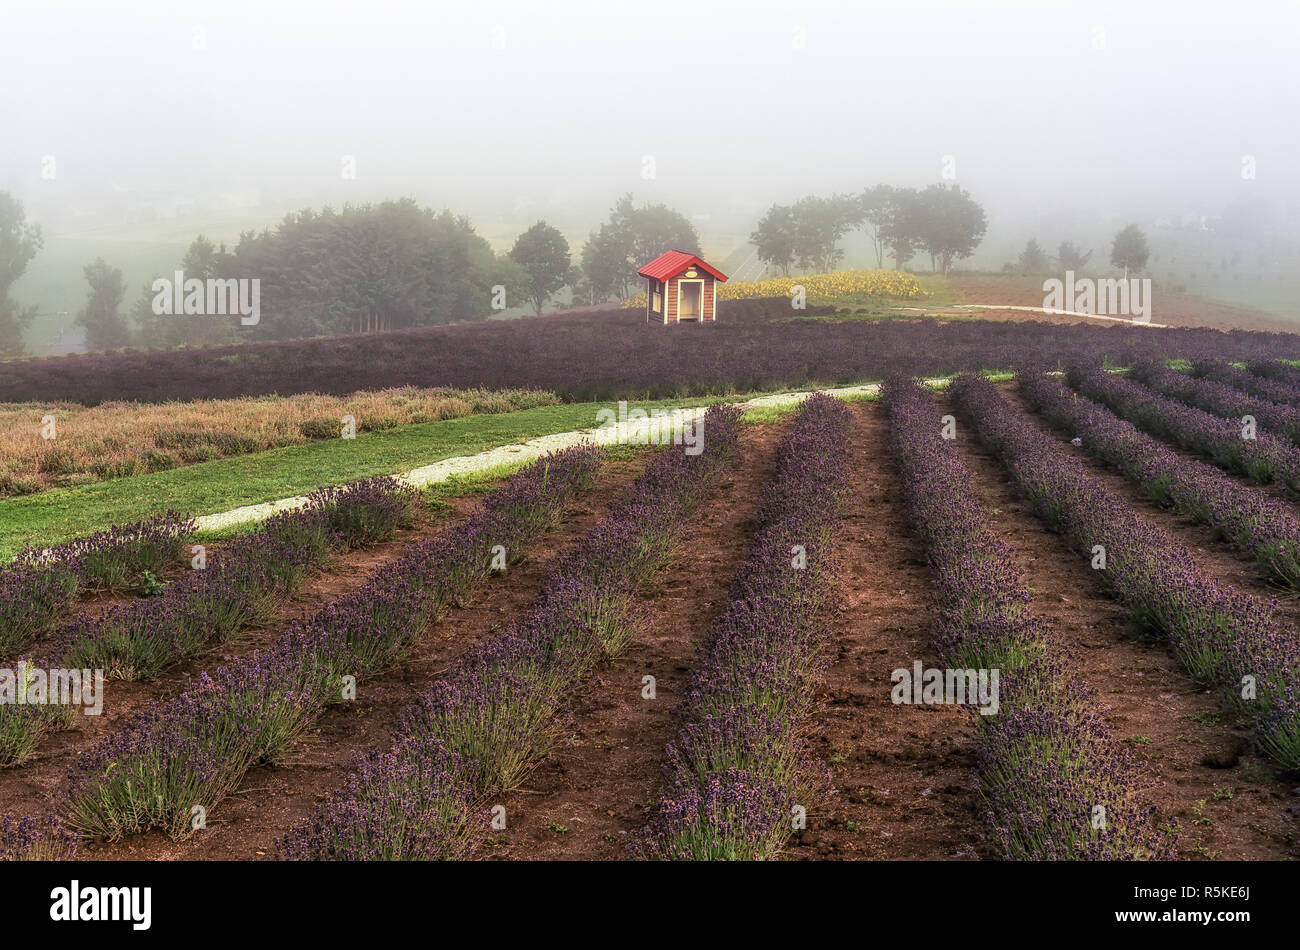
<point>901,774</point>
<point>345,572</point>
<point>1169,306</point>
<point>1226,804</point>
<point>247,825</point>
<point>595,792</point>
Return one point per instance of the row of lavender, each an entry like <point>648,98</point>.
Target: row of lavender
<point>477,730</point>
<point>1254,380</point>
<point>1254,523</point>
<point>1226,639</point>
<point>1279,371</point>
<point>192,751</point>
<point>1055,782</point>
<point>1260,456</point>
<point>205,607</point>
<point>1204,391</point>
<point>738,768</point>
<point>40,586</point>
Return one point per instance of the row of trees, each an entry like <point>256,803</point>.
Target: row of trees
<point>395,264</point>
<point>940,220</point>
<point>19,243</point>
<point>1128,250</point>
<point>368,268</point>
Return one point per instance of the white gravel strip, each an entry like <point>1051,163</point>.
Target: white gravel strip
<point>631,428</point>
<point>1058,313</point>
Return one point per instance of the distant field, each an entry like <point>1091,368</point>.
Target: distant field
<point>1169,304</point>
<point>120,439</point>
<point>612,354</point>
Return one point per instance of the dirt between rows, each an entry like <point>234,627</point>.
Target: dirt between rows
<point>247,824</point>
<point>600,787</point>
<point>902,784</point>
<point>1225,803</point>
<point>345,572</point>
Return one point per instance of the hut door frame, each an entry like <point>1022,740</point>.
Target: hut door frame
<point>699,314</point>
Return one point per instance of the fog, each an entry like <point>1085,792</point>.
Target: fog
<point>1055,116</point>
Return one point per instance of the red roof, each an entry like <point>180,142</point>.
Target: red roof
<point>672,263</point>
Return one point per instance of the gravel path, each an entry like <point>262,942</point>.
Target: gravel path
<point>677,425</point>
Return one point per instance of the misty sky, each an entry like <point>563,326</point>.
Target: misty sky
<point>502,109</point>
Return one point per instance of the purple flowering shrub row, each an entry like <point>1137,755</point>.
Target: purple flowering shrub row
<point>1226,639</point>
<point>40,586</point>
<point>738,770</point>
<point>1251,521</point>
<point>1048,766</point>
<point>208,607</point>
<point>1222,399</point>
<point>195,749</point>
<point>204,608</point>
<point>477,730</point>
<point>984,619</point>
<point>1262,387</point>
<point>1279,371</point>
<point>1263,459</point>
<point>36,839</point>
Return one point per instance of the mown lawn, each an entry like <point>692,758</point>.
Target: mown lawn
<point>61,514</point>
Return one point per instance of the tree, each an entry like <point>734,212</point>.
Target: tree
<point>367,268</point>
<point>949,224</point>
<point>630,239</point>
<point>775,238</point>
<point>19,243</point>
<point>543,253</point>
<point>1033,259</point>
<point>899,227</point>
<point>819,224</point>
<point>876,205</point>
<point>1130,249</point>
<point>203,260</point>
<point>105,328</point>
<point>1071,258</point>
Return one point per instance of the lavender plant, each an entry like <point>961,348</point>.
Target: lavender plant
<point>1226,639</point>
<point>1045,762</point>
<point>1249,520</point>
<point>738,768</point>
<point>1221,399</point>
<point>36,839</point>
<point>196,748</point>
<point>494,714</point>
<point>1273,390</point>
<point>1264,458</point>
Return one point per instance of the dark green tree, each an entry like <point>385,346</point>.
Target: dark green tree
<point>948,224</point>
<point>877,205</point>
<point>630,239</point>
<point>19,243</point>
<point>543,253</point>
<point>819,225</point>
<point>1033,259</point>
<point>1130,250</point>
<point>775,238</point>
<point>1070,257</point>
<point>900,224</point>
<point>105,328</point>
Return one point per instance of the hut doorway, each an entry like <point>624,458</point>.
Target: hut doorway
<point>690,298</point>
